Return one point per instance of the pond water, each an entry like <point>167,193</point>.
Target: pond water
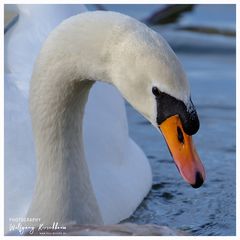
<point>209,61</point>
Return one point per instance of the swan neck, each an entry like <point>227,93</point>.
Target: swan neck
<point>58,95</point>
<point>63,191</point>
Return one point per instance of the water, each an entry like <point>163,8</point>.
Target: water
<point>209,61</point>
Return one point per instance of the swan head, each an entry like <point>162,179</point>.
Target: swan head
<point>158,88</point>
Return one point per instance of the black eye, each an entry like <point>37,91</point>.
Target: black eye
<point>155,91</point>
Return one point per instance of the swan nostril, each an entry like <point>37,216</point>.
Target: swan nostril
<point>180,135</point>
<point>198,181</point>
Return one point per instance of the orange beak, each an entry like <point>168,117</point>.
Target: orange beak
<point>183,151</point>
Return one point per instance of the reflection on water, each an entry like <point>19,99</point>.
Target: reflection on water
<point>210,210</point>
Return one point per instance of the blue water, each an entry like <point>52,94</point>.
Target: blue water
<point>209,61</point>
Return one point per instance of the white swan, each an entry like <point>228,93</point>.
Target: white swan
<point>109,47</point>
<point>116,49</point>
<point>119,153</point>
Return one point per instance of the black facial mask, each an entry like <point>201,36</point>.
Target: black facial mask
<point>168,106</point>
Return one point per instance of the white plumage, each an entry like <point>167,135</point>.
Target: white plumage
<point>108,182</point>
<point>22,44</point>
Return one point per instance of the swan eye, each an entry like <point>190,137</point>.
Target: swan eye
<point>155,91</point>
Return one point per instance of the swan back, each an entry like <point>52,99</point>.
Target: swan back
<point>24,40</point>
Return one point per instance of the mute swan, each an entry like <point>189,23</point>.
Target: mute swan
<point>100,46</point>
<point>112,175</point>
<point>116,49</point>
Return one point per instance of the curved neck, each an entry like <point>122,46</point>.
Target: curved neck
<point>58,94</point>
<point>63,191</point>
<point>74,52</point>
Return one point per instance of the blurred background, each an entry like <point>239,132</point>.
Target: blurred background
<point>204,39</point>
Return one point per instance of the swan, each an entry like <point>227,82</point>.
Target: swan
<point>112,48</point>
<point>22,44</point>
<point>119,50</point>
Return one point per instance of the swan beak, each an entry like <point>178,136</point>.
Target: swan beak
<point>183,151</point>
